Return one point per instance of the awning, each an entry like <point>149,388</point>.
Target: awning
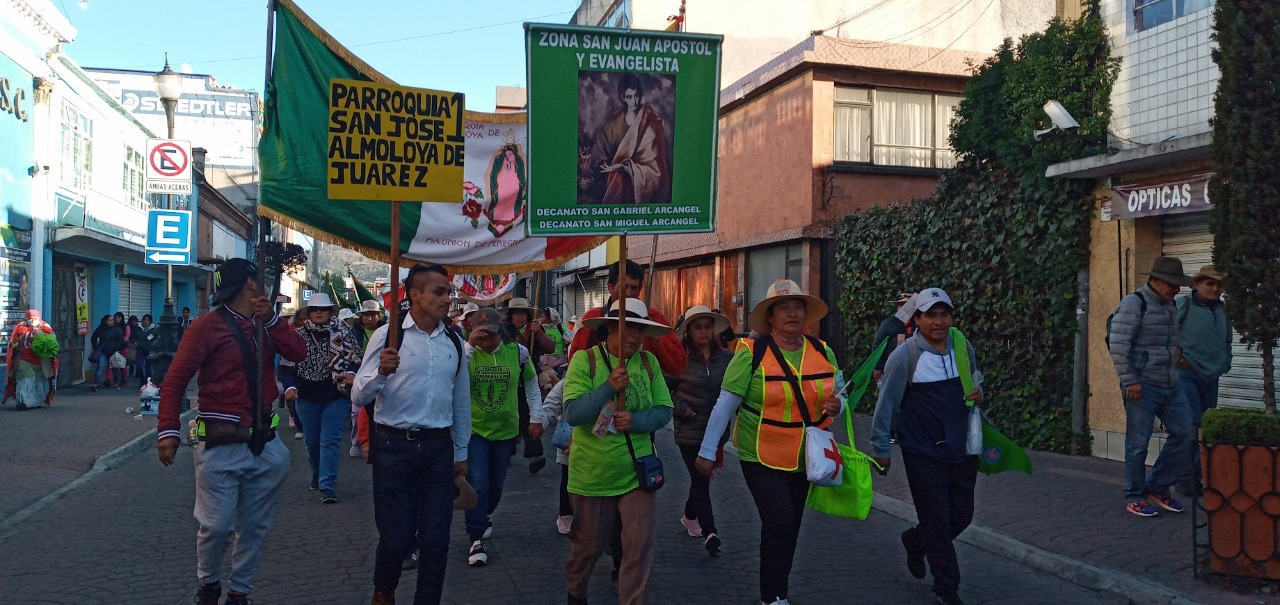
<point>88,243</point>
<point>1174,151</point>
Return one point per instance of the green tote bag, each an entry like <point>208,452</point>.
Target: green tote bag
<point>852,498</point>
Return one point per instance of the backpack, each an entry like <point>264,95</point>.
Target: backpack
<point>1141,315</point>
<point>453,338</point>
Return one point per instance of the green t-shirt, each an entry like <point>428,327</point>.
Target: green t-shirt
<point>602,466</point>
<point>739,380</point>
<point>556,334</point>
<point>495,414</point>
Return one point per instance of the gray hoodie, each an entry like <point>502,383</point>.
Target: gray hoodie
<point>1149,359</point>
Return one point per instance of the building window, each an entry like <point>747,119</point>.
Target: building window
<point>77,149</point>
<point>1150,13</point>
<point>894,127</point>
<point>133,178</point>
<point>767,265</point>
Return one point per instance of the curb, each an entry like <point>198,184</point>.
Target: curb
<point>1131,587</point>
<point>101,464</point>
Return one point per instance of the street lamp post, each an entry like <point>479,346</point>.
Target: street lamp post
<point>169,89</point>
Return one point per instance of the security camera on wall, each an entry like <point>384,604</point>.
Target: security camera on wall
<point>1061,118</point>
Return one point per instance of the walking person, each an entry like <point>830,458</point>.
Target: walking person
<point>419,437</point>
<point>552,409</point>
<point>351,349</point>
<point>922,388</point>
<point>106,341</point>
<point>1144,345</point>
<point>666,347</point>
<point>497,370</point>
<point>236,488</point>
<point>322,406</point>
<point>528,333</point>
<point>773,383</point>
<point>694,396</point>
<point>144,338</point>
<point>1205,335</point>
<point>557,360</point>
<point>608,442</point>
<point>31,363</point>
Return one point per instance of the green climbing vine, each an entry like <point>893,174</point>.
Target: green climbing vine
<point>1005,241</point>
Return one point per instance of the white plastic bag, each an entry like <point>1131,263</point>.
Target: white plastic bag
<point>823,463</point>
<point>973,440</point>
<point>118,362</point>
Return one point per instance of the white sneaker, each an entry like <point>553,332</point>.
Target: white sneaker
<point>479,556</point>
<point>564,523</point>
<point>354,452</point>
<point>692,526</point>
<point>488,532</point>
<point>297,435</point>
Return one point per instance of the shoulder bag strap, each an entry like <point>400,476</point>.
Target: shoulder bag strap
<point>626,435</point>
<point>795,385</point>
<point>246,353</point>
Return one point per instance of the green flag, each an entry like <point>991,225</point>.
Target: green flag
<point>362,292</point>
<point>999,454</point>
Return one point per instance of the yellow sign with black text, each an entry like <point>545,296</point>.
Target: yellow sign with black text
<point>394,143</point>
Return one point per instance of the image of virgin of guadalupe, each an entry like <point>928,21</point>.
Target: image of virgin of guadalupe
<point>632,146</point>
<point>507,190</point>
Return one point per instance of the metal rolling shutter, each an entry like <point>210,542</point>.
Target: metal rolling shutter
<point>1187,237</point>
<point>135,296</point>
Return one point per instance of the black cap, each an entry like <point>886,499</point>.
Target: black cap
<point>230,277</point>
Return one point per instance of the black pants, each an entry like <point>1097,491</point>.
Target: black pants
<point>412,506</point>
<point>943,493</point>
<point>779,497</point>
<point>698,504</point>
<point>532,447</point>
<point>566,507</point>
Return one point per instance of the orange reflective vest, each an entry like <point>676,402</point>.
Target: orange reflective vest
<point>777,420</point>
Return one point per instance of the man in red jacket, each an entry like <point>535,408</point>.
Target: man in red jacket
<point>228,473</point>
<point>667,348</point>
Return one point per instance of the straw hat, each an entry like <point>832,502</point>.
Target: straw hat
<point>370,306</point>
<point>466,498</point>
<point>1209,272</point>
<point>719,323</point>
<point>781,290</point>
<point>520,303</point>
<point>637,315</point>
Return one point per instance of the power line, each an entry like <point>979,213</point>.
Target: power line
<point>924,28</point>
<point>846,20</point>
<point>962,34</point>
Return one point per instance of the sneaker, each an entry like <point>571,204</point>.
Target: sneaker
<point>950,598</point>
<point>1166,502</point>
<point>297,435</point>
<point>237,599</point>
<point>479,556</point>
<point>692,526</point>
<point>327,497</point>
<point>354,452</point>
<point>208,594</point>
<point>915,559</point>
<point>411,561</point>
<point>1140,508</point>
<point>779,601</point>
<point>712,544</point>
<point>488,532</point>
<point>564,523</point>
<point>315,482</point>
<point>536,464</point>
<point>291,423</point>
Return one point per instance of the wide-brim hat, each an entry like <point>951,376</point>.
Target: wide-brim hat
<point>320,300</point>
<point>719,322</point>
<point>230,276</point>
<point>370,306</point>
<point>345,314</point>
<point>637,315</point>
<point>1209,272</point>
<point>520,304</point>
<point>466,498</point>
<point>1169,269</point>
<point>781,290</point>
<point>468,309</point>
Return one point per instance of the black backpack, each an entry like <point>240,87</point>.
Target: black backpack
<point>1141,315</point>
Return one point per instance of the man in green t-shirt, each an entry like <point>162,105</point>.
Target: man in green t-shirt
<point>497,368</point>
<point>607,440</point>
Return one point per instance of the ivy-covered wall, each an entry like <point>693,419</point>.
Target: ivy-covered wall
<point>1003,240</point>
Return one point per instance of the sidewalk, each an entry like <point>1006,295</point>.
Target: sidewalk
<point>1073,506</point>
<point>44,449</point>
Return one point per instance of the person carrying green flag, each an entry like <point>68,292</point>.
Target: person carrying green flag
<point>922,385</point>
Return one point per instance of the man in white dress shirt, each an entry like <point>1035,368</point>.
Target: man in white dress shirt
<point>421,397</point>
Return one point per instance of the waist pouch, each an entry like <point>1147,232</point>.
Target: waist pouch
<point>227,433</point>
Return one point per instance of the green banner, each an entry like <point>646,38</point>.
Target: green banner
<point>622,130</point>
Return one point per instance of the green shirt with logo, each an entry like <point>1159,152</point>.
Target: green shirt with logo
<point>602,466</point>
<point>495,385</point>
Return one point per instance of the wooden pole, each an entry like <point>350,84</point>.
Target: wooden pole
<point>622,313</point>
<point>392,333</point>
<point>537,292</point>
<point>653,262</point>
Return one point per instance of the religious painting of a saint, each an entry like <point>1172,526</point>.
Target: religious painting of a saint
<point>626,137</point>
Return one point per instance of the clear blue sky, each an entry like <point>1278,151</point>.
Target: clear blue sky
<point>468,46</point>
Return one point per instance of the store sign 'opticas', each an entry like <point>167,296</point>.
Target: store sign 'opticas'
<point>12,100</point>
<point>1135,200</point>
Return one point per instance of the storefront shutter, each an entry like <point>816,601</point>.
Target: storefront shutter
<point>1187,237</point>
<point>135,297</point>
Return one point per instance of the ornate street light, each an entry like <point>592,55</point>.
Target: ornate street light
<point>169,89</point>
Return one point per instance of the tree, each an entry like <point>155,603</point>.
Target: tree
<point>1245,191</point>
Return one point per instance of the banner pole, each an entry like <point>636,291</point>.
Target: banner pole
<point>264,228</point>
<point>537,292</point>
<point>392,333</point>
<point>653,262</point>
<point>622,312</point>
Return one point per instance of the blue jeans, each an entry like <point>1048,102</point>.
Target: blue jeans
<point>487,463</point>
<point>104,364</point>
<point>1201,395</point>
<point>236,495</point>
<point>412,506</point>
<point>143,365</point>
<point>1167,404</point>
<point>322,424</point>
